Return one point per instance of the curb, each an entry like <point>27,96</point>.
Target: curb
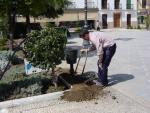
<point>31,100</point>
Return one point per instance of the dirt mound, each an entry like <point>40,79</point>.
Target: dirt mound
<point>82,92</point>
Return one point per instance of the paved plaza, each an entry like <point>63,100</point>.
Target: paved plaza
<point>129,76</point>
<point>129,71</point>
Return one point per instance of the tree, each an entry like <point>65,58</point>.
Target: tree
<point>27,8</point>
<point>45,48</point>
<point>8,11</point>
<point>4,26</point>
<point>35,8</point>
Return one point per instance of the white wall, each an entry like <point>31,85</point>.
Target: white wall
<point>111,10</point>
<point>80,3</point>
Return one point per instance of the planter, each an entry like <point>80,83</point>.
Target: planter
<point>71,55</point>
<point>71,58</point>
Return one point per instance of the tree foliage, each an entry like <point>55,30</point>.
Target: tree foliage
<point>34,7</point>
<point>45,48</point>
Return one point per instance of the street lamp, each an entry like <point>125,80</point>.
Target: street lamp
<point>85,43</point>
<point>85,20</point>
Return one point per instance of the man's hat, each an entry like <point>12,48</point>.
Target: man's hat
<point>83,32</point>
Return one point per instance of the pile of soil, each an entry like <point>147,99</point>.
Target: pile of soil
<point>82,92</point>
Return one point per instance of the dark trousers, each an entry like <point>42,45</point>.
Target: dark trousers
<point>107,56</point>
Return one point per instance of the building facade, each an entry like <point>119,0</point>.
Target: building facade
<point>111,13</point>
<point>117,13</point>
<point>143,12</point>
<point>101,13</point>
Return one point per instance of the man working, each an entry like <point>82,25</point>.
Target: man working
<point>105,47</point>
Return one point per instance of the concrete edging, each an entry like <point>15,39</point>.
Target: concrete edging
<point>31,100</point>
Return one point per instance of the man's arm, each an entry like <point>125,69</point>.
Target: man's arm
<point>100,53</point>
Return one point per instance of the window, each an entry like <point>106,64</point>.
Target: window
<point>117,4</point>
<point>128,4</point>
<point>143,3</point>
<point>104,4</point>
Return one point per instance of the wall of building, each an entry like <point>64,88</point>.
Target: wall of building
<point>123,12</point>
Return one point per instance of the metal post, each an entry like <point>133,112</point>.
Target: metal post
<point>85,42</point>
<point>85,11</point>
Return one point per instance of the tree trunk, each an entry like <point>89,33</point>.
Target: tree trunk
<point>12,17</point>
<point>28,28</point>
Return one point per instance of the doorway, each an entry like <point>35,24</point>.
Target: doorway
<point>104,21</point>
<point>117,20</point>
<point>128,20</point>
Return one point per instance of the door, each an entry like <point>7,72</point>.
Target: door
<point>117,20</point>
<point>128,20</point>
<point>104,21</point>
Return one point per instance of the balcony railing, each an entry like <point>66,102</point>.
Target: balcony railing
<point>118,6</point>
<point>106,6</point>
<point>129,6</point>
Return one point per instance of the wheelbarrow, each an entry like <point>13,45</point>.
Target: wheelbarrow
<point>89,76</point>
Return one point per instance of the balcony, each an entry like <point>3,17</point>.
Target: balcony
<point>129,6</point>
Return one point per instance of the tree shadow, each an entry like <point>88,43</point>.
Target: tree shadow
<point>117,78</point>
<point>124,39</point>
<point>71,42</point>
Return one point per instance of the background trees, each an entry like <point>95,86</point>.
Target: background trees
<point>27,9</point>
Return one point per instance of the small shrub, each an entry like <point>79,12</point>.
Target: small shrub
<point>3,44</point>
<point>138,27</point>
<point>26,86</point>
<point>45,48</point>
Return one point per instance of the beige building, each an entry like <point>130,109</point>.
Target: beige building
<point>73,16</point>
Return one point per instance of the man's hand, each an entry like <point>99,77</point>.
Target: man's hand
<point>100,66</point>
<point>84,50</point>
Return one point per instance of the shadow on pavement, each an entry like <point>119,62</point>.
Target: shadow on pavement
<point>124,39</point>
<point>117,78</point>
<point>71,42</point>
